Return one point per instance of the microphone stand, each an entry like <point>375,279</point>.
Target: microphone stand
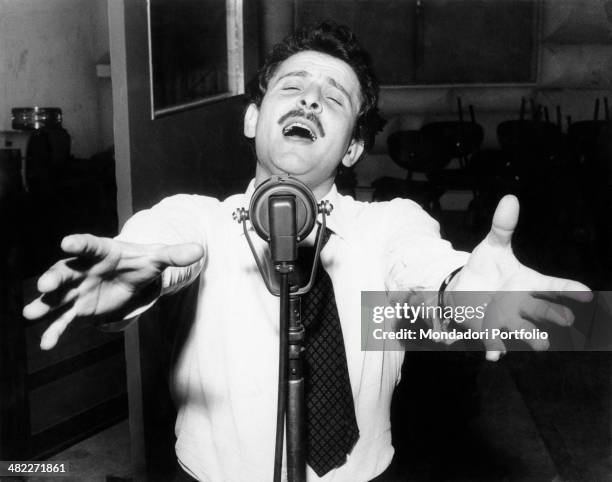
<point>296,450</point>
<point>283,225</point>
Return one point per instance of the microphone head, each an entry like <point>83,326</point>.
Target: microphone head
<point>305,205</point>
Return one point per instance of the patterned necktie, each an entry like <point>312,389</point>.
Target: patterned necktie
<point>331,426</point>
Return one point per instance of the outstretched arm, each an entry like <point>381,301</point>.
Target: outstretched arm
<point>103,278</point>
<point>535,298</point>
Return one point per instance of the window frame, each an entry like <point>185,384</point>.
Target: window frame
<point>235,62</point>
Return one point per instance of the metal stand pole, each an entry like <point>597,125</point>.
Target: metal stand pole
<point>291,410</point>
<point>296,449</point>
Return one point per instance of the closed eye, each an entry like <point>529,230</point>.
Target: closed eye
<point>291,85</point>
<point>333,99</point>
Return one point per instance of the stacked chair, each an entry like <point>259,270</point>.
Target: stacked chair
<point>590,143</point>
<point>532,146</point>
<point>561,180</point>
<point>429,151</point>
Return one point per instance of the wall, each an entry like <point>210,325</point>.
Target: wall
<point>575,69</point>
<point>104,85</point>
<point>48,58</point>
<point>576,55</point>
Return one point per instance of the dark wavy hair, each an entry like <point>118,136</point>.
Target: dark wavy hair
<point>340,42</point>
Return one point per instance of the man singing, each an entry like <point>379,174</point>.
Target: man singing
<point>315,106</point>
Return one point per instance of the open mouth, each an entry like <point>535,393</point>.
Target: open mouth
<point>299,131</point>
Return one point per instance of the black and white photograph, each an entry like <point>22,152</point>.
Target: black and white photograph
<point>306,240</point>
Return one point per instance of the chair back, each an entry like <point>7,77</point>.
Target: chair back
<point>452,140</point>
<point>407,150</point>
<point>532,147</point>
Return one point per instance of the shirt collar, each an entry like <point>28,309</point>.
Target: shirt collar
<point>334,221</point>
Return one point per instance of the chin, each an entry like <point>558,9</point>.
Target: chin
<point>292,165</point>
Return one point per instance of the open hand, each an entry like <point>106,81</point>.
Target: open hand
<point>493,267</point>
<point>102,278</point>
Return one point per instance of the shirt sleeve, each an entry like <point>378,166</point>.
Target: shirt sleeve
<point>415,256</point>
<point>417,259</point>
<point>175,220</point>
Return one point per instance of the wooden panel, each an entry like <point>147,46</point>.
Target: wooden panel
<point>70,365</point>
<point>71,431</point>
<point>60,400</point>
<point>78,338</point>
<point>13,403</point>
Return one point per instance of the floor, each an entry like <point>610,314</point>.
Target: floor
<point>105,457</point>
<point>499,441</point>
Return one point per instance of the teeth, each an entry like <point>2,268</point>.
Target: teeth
<point>299,125</point>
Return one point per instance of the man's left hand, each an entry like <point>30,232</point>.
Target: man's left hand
<point>493,267</point>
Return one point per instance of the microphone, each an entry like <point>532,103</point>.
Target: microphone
<point>283,235</point>
<point>283,212</point>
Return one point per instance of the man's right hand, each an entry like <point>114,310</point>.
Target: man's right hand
<point>102,278</point>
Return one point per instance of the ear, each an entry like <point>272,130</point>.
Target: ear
<point>250,120</point>
<point>353,153</point>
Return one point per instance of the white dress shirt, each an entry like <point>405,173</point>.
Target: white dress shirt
<point>227,374</point>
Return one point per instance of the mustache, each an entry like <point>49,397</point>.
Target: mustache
<point>306,115</point>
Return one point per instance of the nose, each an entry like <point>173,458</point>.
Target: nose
<point>310,100</point>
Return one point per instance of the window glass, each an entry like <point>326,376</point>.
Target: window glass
<point>188,50</point>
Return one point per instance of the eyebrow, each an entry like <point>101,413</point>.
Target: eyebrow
<point>332,82</point>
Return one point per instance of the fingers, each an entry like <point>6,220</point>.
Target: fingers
<point>551,287</point>
<point>49,302</point>
<point>56,286</point>
<point>495,349</point>
<point>60,274</point>
<point>504,221</point>
<point>86,245</point>
<point>540,310</point>
<point>180,254</point>
<point>495,355</point>
<point>536,342</point>
<point>55,330</point>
